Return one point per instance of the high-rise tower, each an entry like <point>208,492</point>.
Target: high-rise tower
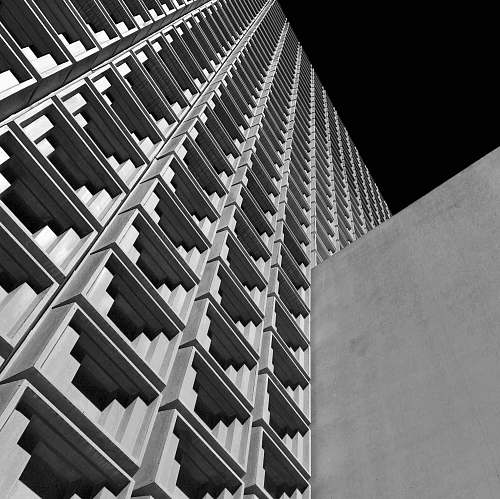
<point>170,172</point>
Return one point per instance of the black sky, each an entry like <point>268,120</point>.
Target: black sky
<point>417,88</point>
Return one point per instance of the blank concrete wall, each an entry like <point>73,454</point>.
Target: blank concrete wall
<point>405,351</point>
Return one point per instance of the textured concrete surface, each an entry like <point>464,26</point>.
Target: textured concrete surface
<point>406,357</point>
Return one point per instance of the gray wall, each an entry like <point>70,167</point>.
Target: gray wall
<point>406,357</point>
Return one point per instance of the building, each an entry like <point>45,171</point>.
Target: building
<point>405,392</point>
<point>170,172</point>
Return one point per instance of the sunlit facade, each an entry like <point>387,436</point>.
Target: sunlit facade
<point>170,172</point>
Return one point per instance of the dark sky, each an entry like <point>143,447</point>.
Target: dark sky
<point>417,88</point>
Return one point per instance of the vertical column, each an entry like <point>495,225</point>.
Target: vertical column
<point>334,209</point>
<point>349,234</point>
<point>279,455</point>
<point>313,176</point>
<point>326,231</point>
<point>370,219</point>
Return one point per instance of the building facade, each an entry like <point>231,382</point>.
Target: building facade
<point>170,172</point>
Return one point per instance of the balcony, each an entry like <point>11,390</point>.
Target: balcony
<point>220,286</point>
<point>121,17</point>
<point>25,288</point>
<point>69,27</point>
<point>129,110</point>
<point>113,142</point>
<point>271,475</point>
<point>75,365</point>
<point>154,96</point>
<point>178,463</point>
<point>283,423</point>
<point>210,406</point>
<point>199,75</point>
<point>224,348</point>
<point>156,264</point>
<point>229,250</point>
<point>252,242</point>
<point>290,377</point>
<point>144,329</point>
<point>44,455</point>
<point>172,221</point>
<point>200,192</point>
<point>14,74</point>
<point>64,154</point>
<point>37,212</point>
<point>280,321</point>
<point>175,66</point>
<point>39,47</point>
<point>97,22</point>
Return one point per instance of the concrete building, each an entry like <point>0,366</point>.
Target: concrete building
<point>170,172</point>
<point>406,392</point>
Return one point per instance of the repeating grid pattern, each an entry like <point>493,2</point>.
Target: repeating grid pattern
<point>170,172</point>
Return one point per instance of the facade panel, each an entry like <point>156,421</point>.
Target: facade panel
<point>170,173</point>
<point>405,395</point>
